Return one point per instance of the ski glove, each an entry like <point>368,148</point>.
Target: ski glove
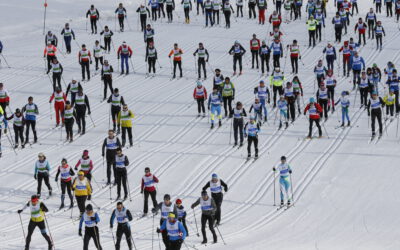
<point>273,169</point>
<point>158,230</point>
<point>111,225</point>
<point>35,176</point>
<point>93,218</point>
<point>118,57</point>
<point>56,179</point>
<point>153,210</point>
<point>80,232</point>
<point>20,211</point>
<point>290,171</point>
<point>90,62</point>
<point>89,197</point>
<point>5,131</point>
<point>141,191</point>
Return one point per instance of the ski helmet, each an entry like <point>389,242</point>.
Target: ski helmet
<point>252,118</point>
<point>81,173</point>
<point>85,152</point>
<point>178,201</point>
<point>171,215</point>
<point>34,198</point>
<point>17,111</point>
<point>41,155</point>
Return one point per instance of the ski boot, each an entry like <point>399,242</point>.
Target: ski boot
<point>287,125</point>
<point>348,123</point>
<point>62,206</point>
<point>212,125</point>
<point>219,123</point>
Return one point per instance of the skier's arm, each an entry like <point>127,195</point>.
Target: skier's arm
<point>182,230</point>
<point>206,186</point>
<point>118,142</point>
<point>87,13</point>
<point>112,218</point>
<point>163,226</point>
<point>244,113</point>
<point>103,147</point>
<point>224,185</point>
<point>43,207</point>
<point>251,108</point>
<point>208,55</point>
<point>197,202</point>
<point>129,215</point>
<point>87,104</point>
<point>383,103</point>
<point>80,224</point>
<point>62,69</point>
<point>58,173</point>
<point>126,161</point>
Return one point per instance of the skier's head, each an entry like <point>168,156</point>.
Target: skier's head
<point>124,44</point>
<point>73,80</point>
<point>30,100</point>
<point>227,79</point>
<point>274,12</point>
<point>295,79</point>
<point>67,25</point>
<point>237,42</point>
<point>283,159</point>
<point>55,60</point>
<point>351,40</point>
<point>344,93</point>
<point>175,45</point>
<point>64,162</point>
<point>97,42</point>
<point>201,45</point>
<point>311,17</point>
<point>199,84</point>
<point>41,157</point>
<point>80,91</point>
<point>89,208</point>
<point>148,26</point>
<point>322,86</point>
<point>34,199</point>
<point>252,119</point>
<point>329,44</point>
<point>215,89</point>
<point>171,217</point>
<point>330,72</point>
<point>346,43</point>
<point>289,84</point>
<point>214,177</point>
<point>391,91</point>
<point>239,105</point>
<point>217,71</point>
<point>374,65</point>
<point>17,111</point>
<point>295,42</point>
<point>1,85</point>
<point>120,4</point>
<point>92,6</point>
<point>48,43</point>
<point>312,100</point>
<point>371,10</point>
<point>204,195</point>
<point>58,90</point>
<point>257,100</point>
<point>254,36</point>
<point>276,40</point>
<point>106,62</point>
<point>116,91</point>
<point>319,62</point>
<point>262,83</point>
<point>110,133</point>
<point>282,97</point>
<point>49,33</point>
<point>119,151</point>
<point>374,95</point>
<point>167,199</point>
<point>67,104</point>
<point>178,202</point>
<point>277,69</point>
<point>125,107</point>
<point>120,206</point>
<point>379,23</point>
<point>360,20</point>
<point>106,28</point>
<point>337,14</point>
<point>147,170</point>
<point>263,42</point>
<point>85,153</point>
<point>151,45</point>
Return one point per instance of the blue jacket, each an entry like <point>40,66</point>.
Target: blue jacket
<point>96,216</point>
<point>47,167</point>
<point>357,63</point>
<point>153,3</point>
<point>181,229</point>
<point>393,83</point>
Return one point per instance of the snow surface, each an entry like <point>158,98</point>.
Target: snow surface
<point>345,190</point>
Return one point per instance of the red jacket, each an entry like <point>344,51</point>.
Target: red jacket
<point>313,112</point>
<point>255,44</point>
<point>277,21</point>
<point>346,51</point>
<point>120,52</point>
<point>63,96</point>
<point>360,27</point>
<point>200,93</point>
<point>149,189</point>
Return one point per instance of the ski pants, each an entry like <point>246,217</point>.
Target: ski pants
<point>93,25</point>
<point>250,140</point>
<point>49,60</point>
<point>264,61</point>
<point>97,60</point>
<point>239,9</point>
<point>143,21</point>
<point>218,198</point>
<point>127,130</point>
<point>187,14</point>
<point>284,184</point>
<point>276,60</point>
<point>80,117</point>
<point>378,41</point>
<point>252,10</point>
<point>227,104</point>
<point>364,95</point>
<point>161,9</point>
<point>209,17</point>
<point>201,5</point>
<point>67,40</point>
<point>66,185</point>
<point>69,124</point>
<point>338,33</point>
<point>107,44</point>
<point>123,228</point>
<point>275,90</point>
<point>201,63</point>
<point>345,114</point>
<point>311,125</point>
<point>215,109</point>
<point>31,227</point>
<point>330,59</point>
<point>378,7</point>
<point>164,235</point>
<point>292,111</point>
<point>318,32</point>
<point>216,16</point>
<point>151,61</point>
<point>264,107</point>
<point>237,128</point>
<point>261,16</point>
<point>389,9</point>
<point>311,37</point>
<point>295,64</point>
<point>258,115</point>
<point>204,219</point>
<point>91,232</point>
<point>283,113</point>
<point>254,57</point>
<point>154,13</point>
<point>59,109</point>
<point>396,101</point>
<point>114,116</point>
<point>354,6</point>
<point>30,123</point>
<point>85,68</point>
<point>346,64</point>
<point>42,176</point>
<point>121,22</point>
<point>227,15</point>
<point>331,95</point>
<point>371,25</point>
<point>237,59</point>
<point>153,195</point>
<point>278,6</point>
<point>107,83</point>
<point>81,200</point>
<point>56,81</point>
<point>390,109</point>
<point>124,61</point>
<point>376,114</point>
<point>18,133</point>
<point>356,76</point>
<point>179,64</point>
<point>110,157</point>
<point>324,105</point>
<point>200,105</point>
<point>169,13</point>
<point>121,177</point>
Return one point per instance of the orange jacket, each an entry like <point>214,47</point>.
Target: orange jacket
<point>177,54</point>
<point>50,50</point>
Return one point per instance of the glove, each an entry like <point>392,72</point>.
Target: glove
<point>208,107</point>
<point>7,103</point>
<point>169,56</point>
<point>194,54</point>
<point>145,60</point>
<point>93,218</point>
<point>269,101</point>
<point>324,25</point>
<point>80,63</point>
<point>56,179</point>
<point>19,211</point>
<point>35,176</point>
<point>89,197</point>
<point>5,131</point>
<point>130,56</point>
<point>191,206</point>
<point>90,62</point>
<point>369,114</point>
<point>153,210</point>
<point>102,78</point>
<point>290,171</point>
<point>206,60</point>
<point>80,232</point>
<point>48,72</point>
<point>118,57</point>
<point>281,55</point>
<point>76,168</point>
<point>89,113</point>
<point>102,155</point>
<point>141,192</point>
<point>273,169</point>
<point>300,57</point>
<point>158,230</point>
<point>226,190</point>
<point>245,135</point>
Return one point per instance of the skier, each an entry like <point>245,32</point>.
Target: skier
<point>94,17</point>
<point>202,59</point>
<point>208,6</point>
<point>360,26</point>
<point>238,122</point>
<point>393,84</point>
<point>208,210</point>
<point>57,70</point>
<point>322,99</point>
<point>390,100</point>
<point>257,110</point>
<point>116,101</point>
<point>18,126</point>
<point>107,33</point>
<point>121,13</point>
<point>50,37</point>
<point>98,54</point>
<point>91,220</point>
<point>374,107</point>
<point>148,188</point>
<point>200,95</point>
<point>397,9</point>
<point>345,104</point>
<point>276,34</point>
<point>319,17</point>
<point>252,8</point>
<point>254,48</point>
<point>148,35</point>
<point>111,143</point>
<point>320,72</point>
<point>218,80</point>
<point>227,8</point>
<point>277,80</point>
<point>177,59</point>
<point>290,99</point>
<point>65,172</point>
<point>347,51</point>
<point>167,208</point>
<point>330,55</point>
<point>170,6</point>
<point>200,5</point>
<point>3,123</point>
<point>338,25</point>
<point>143,16</point>
<point>294,56</point>
<point>251,130</point>
<point>216,185</point>
<point>4,99</point>
<point>217,5</point>
<point>38,210</point>
<point>298,91</point>
<point>121,175</point>
<point>214,103</point>
<point>262,6</point>
<point>314,111</point>
<point>287,5</point>
<point>175,232</point>
<point>379,30</point>
<point>330,82</point>
<point>82,190</point>
<point>68,35</point>
<point>312,27</point>
<point>86,165</point>
<point>84,59</point>
<point>357,64</point>
<point>239,7</point>
<point>378,6</point>
<point>283,111</point>
<point>73,86</point>
<point>106,76</point>
<point>265,53</point>
<point>376,77</point>
<point>154,8</point>
<point>124,120</point>
<point>284,172</point>
<point>124,52</point>
<point>187,7</point>
<point>370,18</point>
<point>123,216</point>
<point>181,212</point>
<point>389,7</point>
<point>228,95</point>
<point>42,172</point>
<point>31,111</point>
<point>68,120</point>
<point>237,51</point>
<point>263,94</point>
<point>363,86</point>
<point>80,104</point>
<point>151,58</point>
<point>49,53</point>
<point>275,19</point>
<point>277,52</point>
<point>59,102</point>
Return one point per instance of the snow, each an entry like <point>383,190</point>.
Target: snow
<point>345,189</point>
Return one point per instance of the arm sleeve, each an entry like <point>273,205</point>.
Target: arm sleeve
<point>129,215</point>
<point>206,186</point>
<point>80,223</point>
<point>112,217</point>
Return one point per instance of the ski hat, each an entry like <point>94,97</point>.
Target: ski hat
<point>282,96</point>
<point>34,198</point>
<point>344,93</point>
<point>178,201</point>
<point>147,169</point>
<point>312,100</point>
<point>373,93</point>
<point>214,176</point>
<point>171,215</point>
<point>283,158</point>
<point>217,70</point>
<point>81,173</point>
<point>17,111</point>
<point>277,69</point>
<point>236,42</point>
<point>73,78</point>
<point>124,43</point>
<point>48,43</point>
<point>374,65</point>
<point>204,193</point>
<point>85,152</point>
<point>262,81</point>
<point>199,83</point>
<point>252,118</point>
<point>89,207</point>
<point>41,155</point>
<point>64,160</point>
<point>346,43</point>
<point>167,197</point>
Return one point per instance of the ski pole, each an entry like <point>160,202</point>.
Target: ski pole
<point>170,63</point>
<point>326,132</point>
<point>195,220</point>
<point>109,117</point>
<point>186,245</point>
<point>291,188</point>
<point>159,64</point>
<point>22,226</point>
<point>355,98</point>
<point>94,125</point>
<point>159,243</point>
<point>211,67</point>
<point>95,229</point>
<point>135,135</point>
<point>220,235</point>
<point>73,195</point>
<point>104,172</point>
<point>115,28</point>
<point>44,18</point>
<point>133,69</point>
<point>134,245</point>
<point>47,223</point>
<point>112,233</point>
<point>95,181</point>
<point>110,191</point>
<point>397,129</point>
<point>94,203</point>
<point>12,145</point>
<point>230,132</point>
<point>195,65</point>
<point>129,190</point>
<point>61,129</point>
<point>152,235</point>
<point>65,84</point>
<point>5,60</point>
<point>112,42</point>
<point>51,116</point>
<point>274,190</point>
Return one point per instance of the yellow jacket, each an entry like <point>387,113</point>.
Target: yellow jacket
<point>125,118</point>
<point>82,188</point>
<point>389,99</point>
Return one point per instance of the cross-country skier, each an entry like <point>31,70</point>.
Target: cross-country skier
<point>181,214</point>
<point>31,111</point>
<point>277,52</point>
<point>275,19</point>
<point>208,7</point>
<point>330,52</point>
<point>68,120</point>
<point>257,110</point>
<point>283,111</point>
<point>290,97</point>
<point>82,190</point>
<point>121,14</point>
<point>347,52</point>
<point>52,38</point>
<point>124,120</point>
<point>228,95</point>
<point>251,130</point>
<point>73,86</point>
<point>203,57</point>
<point>312,27</point>
<point>216,185</point>
<point>148,188</point>
<point>208,209</point>
<point>277,80</point>
<point>363,86</point>
<point>68,35</point>
<point>284,180</point>
<point>142,10</point>
<point>238,122</point>
<point>200,5</point>
<point>319,17</point>
<point>41,173</point>
<point>187,7</point>
<point>154,8</point>
<point>226,9</point>
<point>57,70</point>
<point>49,53</point>
<point>237,51</point>
<point>370,18</point>
<point>320,71</point>
<point>262,6</point>
<point>18,127</point>
<point>3,123</point>
<point>254,48</point>
<point>214,104</point>
<point>357,64</point>
<point>38,210</point>
<point>151,57</point>
<point>239,8</point>
<point>106,76</point>
<point>148,35</point>
<point>170,7</point>
<point>294,50</point>
<point>94,17</point>
<point>322,99</point>
<point>166,207</point>
<point>125,53</point>
<point>252,8</point>
<point>84,59</point>
<point>360,26</point>
<point>389,100</point>
<point>217,6</point>
<point>65,172</point>
<point>116,101</point>
<point>4,99</point>
<point>86,165</point>
<point>111,143</point>
<point>379,31</point>
<point>218,80</point>
<point>121,162</point>
<point>59,102</point>
<point>298,91</point>
<point>107,33</point>
<point>338,25</point>
<point>330,82</point>
<point>91,219</point>
<point>265,53</point>
<point>123,217</point>
<point>98,54</point>
<point>393,84</point>
<point>263,94</point>
<point>314,111</point>
<point>389,7</point>
<point>161,8</point>
<point>374,107</point>
<point>175,232</point>
<point>200,95</point>
<point>80,104</point>
<point>176,52</point>
<point>345,104</point>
